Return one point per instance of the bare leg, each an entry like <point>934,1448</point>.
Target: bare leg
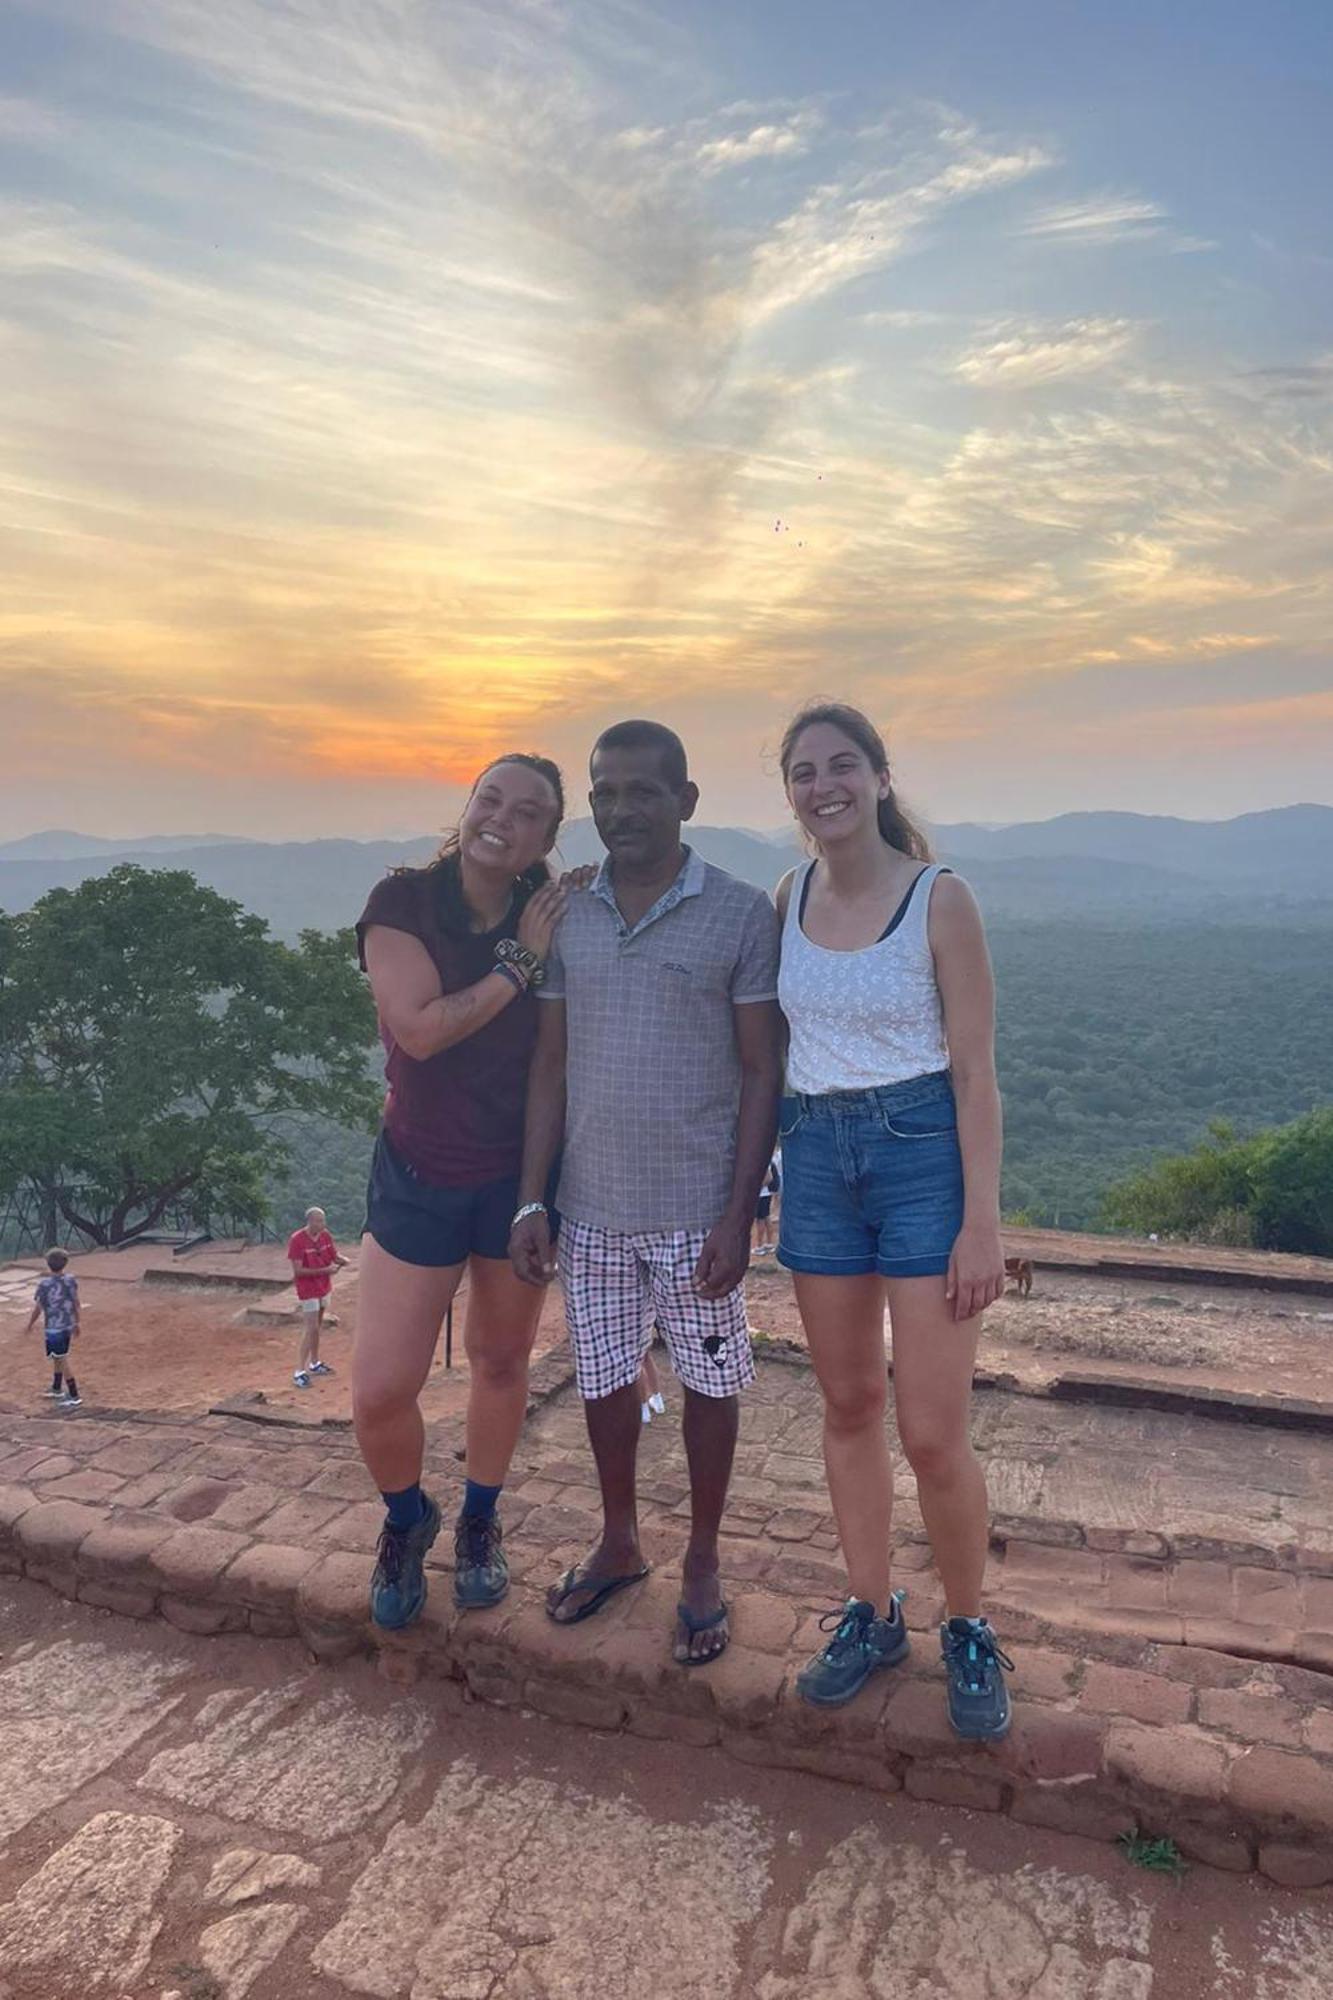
<point>614,1425</point>
<point>315,1326</point>
<point>307,1342</point>
<point>933,1358</point>
<point>710,1427</point>
<point>844,1326</point>
<point>502,1317</point>
<point>400,1312</point>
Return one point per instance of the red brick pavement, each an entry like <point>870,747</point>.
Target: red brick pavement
<point>1165,1583</point>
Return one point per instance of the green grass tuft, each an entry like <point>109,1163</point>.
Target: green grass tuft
<point>1159,1855</point>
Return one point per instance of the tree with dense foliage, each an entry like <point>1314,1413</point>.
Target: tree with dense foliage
<point>151,1033</point>
<point>1274,1191</point>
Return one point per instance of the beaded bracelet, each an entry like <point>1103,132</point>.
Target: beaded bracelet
<point>512,974</point>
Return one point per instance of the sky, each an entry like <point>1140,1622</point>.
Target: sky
<point>388,383</point>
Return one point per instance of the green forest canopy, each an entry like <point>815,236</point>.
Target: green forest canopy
<point>1116,1044</point>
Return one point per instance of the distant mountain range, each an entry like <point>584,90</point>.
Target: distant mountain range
<point>1110,866</point>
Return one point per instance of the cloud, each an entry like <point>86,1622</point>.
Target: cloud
<point>424,379</point>
<point>1014,356</point>
<point>788,139</point>
<point>1097,219</point>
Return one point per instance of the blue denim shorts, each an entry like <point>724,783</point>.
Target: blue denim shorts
<point>437,1227</point>
<point>872,1180</point>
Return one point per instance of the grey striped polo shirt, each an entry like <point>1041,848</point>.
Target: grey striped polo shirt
<point>654,1075</point>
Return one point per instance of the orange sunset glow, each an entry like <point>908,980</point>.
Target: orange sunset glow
<point>389,384</point>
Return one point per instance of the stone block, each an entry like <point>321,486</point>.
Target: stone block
<point>120,1545</point>
<point>148,1488</point>
<point>15,1500</point>
<point>1109,1690</point>
<point>201,1615</point>
<point>916,1722</point>
<point>1128,1542</point>
<point>1267,1597</point>
<point>1084,1810</point>
<point>763,1622</point>
<point>134,1456</point>
<point>1252,1642</point>
<point>1200,1589</point>
<point>1254,1718</point>
<point>246,1506</point>
<point>266,1576</point>
<point>1314,1650</point>
<point>298,1519</point>
<point>1052,1745</point>
<point>564,1701</point>
<point>49,1537</point>
<point>1295,1867</point>
<point>1214,1847</point>
<point>1281,1789</point>
<point>944,1787</point>
<point>1172,1763</point>
<point>1317,1606</point>
<point>661,1724</point>
<point>272,1625</point>
<point>127,1600</point>
<point>1197,1665</point>
<point>1136,1585</point>
<point>333,1607</point>
<point>794,1524</point>
<point>863,1765</point>
<point>197,1498</point>
<point>1046,1675</point>
<point>190,1563</point>
<point>84,1484</point>
<point>359,1527</point>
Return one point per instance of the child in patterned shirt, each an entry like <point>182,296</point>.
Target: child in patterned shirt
<point>57,1301</point>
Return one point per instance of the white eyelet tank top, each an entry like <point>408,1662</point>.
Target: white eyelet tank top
<point>859,1019</point>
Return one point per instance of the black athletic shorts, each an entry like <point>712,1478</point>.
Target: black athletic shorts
<point>439,1226</point>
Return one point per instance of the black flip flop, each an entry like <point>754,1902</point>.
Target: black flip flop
<point>600,1593</point>
<point>693,1625</point>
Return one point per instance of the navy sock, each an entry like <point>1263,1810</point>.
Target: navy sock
<point>480,1500</point>
<point>405,1508</point>
<point>71,1386</point>
<point>57,1379</point>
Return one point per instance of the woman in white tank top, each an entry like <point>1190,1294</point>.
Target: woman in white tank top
<point>891,1150</point>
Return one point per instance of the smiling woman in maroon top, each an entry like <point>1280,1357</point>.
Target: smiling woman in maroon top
<point>454,952</point>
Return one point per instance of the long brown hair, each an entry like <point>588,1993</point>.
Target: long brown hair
<point>446,862</point>
<point>897,828</point>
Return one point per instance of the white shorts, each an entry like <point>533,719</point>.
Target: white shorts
<point>618,1287</point>
<point>311,1305</point>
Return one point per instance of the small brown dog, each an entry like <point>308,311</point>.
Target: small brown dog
<point>1020,1268</point>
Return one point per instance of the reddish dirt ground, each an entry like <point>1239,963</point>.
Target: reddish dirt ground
<point>181,1346</point>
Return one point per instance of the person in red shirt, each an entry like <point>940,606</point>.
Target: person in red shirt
<point>314,1257</point>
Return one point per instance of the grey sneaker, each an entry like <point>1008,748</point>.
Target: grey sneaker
<point>860,1646</point>
<point>481,1574</point>
<point>301,1379</point>
<point>398,1586</point>
<point>975,1666</point>
<point>71,1402</point>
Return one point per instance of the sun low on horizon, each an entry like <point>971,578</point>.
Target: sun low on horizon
<point>394,382</point>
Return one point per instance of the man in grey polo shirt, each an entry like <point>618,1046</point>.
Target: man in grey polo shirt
<point>658,1065</point>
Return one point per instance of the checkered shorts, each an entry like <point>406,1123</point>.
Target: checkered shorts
<point>617,1287</point>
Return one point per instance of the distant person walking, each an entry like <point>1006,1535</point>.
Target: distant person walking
<point>891,1169</point>
<point>455,953</point>
<point>56,1301</point>
<point>314,1257</point>
<point>762,1240</point>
